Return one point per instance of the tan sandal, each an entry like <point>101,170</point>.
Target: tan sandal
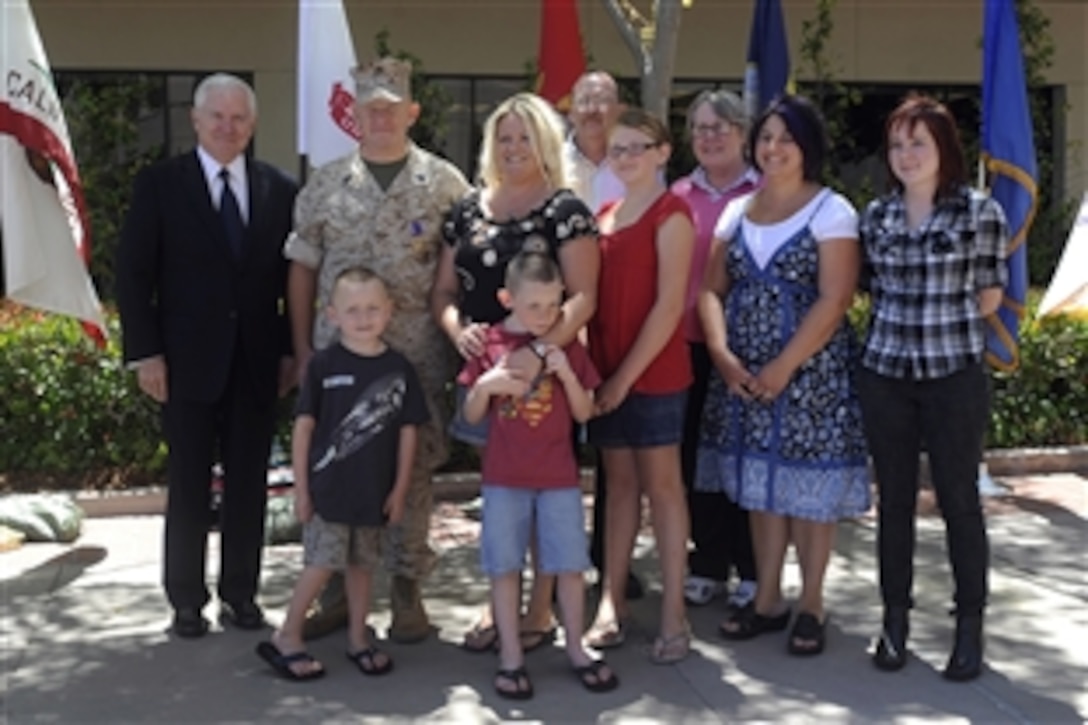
<point>607,637</point>
<point>670,650</point>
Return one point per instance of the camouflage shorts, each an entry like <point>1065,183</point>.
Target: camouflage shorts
<point>335,546</point>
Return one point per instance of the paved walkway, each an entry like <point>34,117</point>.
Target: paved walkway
<point>85,640</point>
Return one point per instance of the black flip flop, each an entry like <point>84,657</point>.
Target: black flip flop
<point>810,631</point>
<point>749,623</point>
<point>365,660</point>
<point>281,663</point>
<point>516,677</point>
<point>591,679</point>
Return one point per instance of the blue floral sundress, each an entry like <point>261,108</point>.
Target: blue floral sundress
<point>804,454</point>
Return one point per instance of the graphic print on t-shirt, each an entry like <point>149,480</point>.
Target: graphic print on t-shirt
<point>532,407</point>
<point>378,405</point>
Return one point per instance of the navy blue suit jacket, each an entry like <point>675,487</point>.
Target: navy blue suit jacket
<point>183,295</point>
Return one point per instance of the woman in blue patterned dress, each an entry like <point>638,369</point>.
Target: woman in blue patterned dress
<point>782,431</point>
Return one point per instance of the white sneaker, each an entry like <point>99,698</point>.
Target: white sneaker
<point>700,590</point>
<point>743,595</point>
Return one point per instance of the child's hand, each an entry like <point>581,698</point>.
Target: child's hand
<point>503,380</point>
<point>393,508</point>
<point>557,362</point>
<point>304,505</point>
<point>524,362</point>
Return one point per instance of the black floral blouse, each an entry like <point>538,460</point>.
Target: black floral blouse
<point>483,246</point>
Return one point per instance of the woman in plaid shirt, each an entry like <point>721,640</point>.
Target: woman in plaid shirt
<point>934,265</point>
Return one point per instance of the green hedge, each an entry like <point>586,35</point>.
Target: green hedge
<point>1045,402</point>
<point>70,409</point>
<point>70,414</point>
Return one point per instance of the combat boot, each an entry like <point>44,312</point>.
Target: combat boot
<point>410,623</point>
<point>329,612</point>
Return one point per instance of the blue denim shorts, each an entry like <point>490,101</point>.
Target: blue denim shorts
<point>642,421</point>
<point>511,515</point>
<point>474,434</point>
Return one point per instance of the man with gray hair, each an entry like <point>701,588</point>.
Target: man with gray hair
<point>595,106</point>
<point>201,283</point>
<point>382,207</point>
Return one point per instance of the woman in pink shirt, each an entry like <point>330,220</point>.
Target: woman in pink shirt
<point>718,126</point>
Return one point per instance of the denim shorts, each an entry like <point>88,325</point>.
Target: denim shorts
<point>329,545</point>
<point>642,421</point>
<point>511,515</point>
<point>474,434</point>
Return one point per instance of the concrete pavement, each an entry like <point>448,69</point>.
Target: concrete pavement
<point>85,639</point>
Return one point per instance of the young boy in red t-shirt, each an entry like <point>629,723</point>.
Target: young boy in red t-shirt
<point>529,474</point>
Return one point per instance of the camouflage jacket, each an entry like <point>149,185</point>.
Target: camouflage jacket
<point>344,218</point>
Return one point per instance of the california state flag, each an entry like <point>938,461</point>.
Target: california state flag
<point>43,216</point>
<point>326,91</point>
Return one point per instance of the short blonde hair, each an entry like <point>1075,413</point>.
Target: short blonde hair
<point>545,129</point>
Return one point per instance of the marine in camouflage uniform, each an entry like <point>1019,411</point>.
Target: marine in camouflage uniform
<point>344,218</point>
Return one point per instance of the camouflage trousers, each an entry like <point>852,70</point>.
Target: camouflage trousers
<point>407,546</point>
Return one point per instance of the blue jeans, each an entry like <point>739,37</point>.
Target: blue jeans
<point>474,434</point>
<point>511,515</point>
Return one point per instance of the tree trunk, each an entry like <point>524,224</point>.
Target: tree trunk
<point>656,63</point>
<point>657,83</point>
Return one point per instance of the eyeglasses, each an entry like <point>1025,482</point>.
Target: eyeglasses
<point>634,150</point>
<point>588,104</point>
<point>710,130</point>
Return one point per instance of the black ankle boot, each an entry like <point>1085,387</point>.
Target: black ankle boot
<point>965,663</point>
<point>891,650</point>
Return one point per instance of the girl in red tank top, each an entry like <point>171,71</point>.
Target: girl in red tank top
<point>637,343</point>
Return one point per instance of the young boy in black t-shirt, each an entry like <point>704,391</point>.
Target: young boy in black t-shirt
<point>352,448</point>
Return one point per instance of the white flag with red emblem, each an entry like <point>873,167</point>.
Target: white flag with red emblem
<point>326,91</point>
<point>44,230</point>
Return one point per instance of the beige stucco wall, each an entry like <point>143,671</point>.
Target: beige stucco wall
<point>898,41</point>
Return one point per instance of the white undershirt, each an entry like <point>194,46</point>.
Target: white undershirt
<point>828,214</point>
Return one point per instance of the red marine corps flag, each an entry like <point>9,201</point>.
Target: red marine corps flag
<point>44,231</point>
<point>326,91</point>
<point>560,60</point>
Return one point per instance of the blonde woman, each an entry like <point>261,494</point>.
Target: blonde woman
<point>522,203</point>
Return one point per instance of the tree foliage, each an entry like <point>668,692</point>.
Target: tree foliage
<point>1055,215</point>
<point>434,101</point>
<point>103,118</point>
<point>819,69</point>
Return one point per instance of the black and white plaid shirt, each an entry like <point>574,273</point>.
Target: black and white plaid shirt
<point>925,322</point>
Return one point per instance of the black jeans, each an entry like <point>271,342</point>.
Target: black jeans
<point>949,415</point>
<point>720,533</point>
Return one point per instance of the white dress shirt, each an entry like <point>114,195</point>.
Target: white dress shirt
<point>239,184</point>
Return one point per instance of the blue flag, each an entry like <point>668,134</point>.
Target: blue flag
<point>1008,151</point>
<point>768,71</point>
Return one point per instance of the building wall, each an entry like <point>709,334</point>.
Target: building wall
<point>900,41</point>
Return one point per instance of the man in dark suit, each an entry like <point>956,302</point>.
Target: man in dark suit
<point>200,287</point>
